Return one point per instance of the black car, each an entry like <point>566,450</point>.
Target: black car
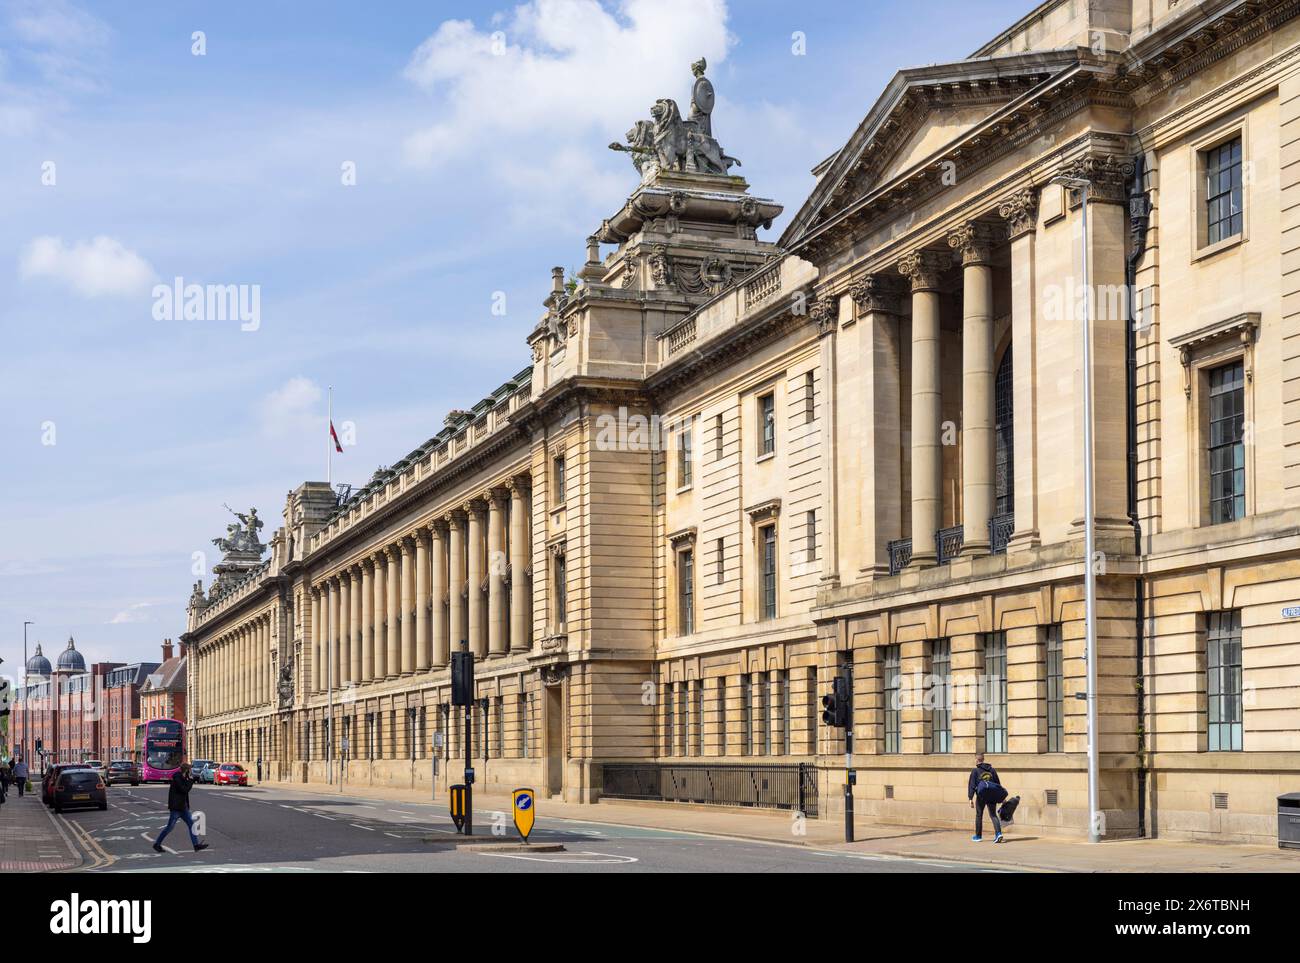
<point>123,770</point>
<point>78,788</point>
<point>51,776</point>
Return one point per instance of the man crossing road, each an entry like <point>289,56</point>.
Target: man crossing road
<point>178,805</point>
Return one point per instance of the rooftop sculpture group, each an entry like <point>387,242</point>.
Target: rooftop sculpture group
<point>667,142</point>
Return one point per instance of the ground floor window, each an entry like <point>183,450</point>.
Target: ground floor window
<point>995,692</point>
<point>893,713</point>
<point>1223,682</point>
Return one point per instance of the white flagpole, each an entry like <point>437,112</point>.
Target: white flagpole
<point>329,442</point>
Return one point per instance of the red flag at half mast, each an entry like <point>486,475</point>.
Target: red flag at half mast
<point>335,436</point>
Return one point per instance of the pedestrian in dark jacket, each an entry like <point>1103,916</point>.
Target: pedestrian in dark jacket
<point>178,806</point>
<point>984,791</point>
<point>20,776</point>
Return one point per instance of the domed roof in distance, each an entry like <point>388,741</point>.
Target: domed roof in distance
<point>70,659</point>
<point>38,664</point>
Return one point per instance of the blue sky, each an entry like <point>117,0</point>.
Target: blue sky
<point>478,168</point>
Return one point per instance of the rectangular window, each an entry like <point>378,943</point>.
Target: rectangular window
<point>1055,690</point>
<point>810,529</point>
<point>561,593</point>
<point>683,728</point>
<point>767,539</point>
<point>697,690</point>
<point>1223,196</point>
<point>1227,449</point>
<point>717,437</point>
<point>765,711</point>
<point>893,714</point>
<point>720,560</point>
<point>722,715</point>
<point>809,398</point>
<point>670,707</point>
<point>523,725</point>
<point>941,695</point>
<point>746,715</point>
<point>1223,680</point>
<point>684,459</point>
<point>685,591</point>
<point>995,682</point>
<point>783,710</point>
<point>561,485</point>
<point>501,726</point>
<point>766,424</point>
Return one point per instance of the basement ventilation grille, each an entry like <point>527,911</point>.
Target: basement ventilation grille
<point>889,792</point>
<point>1051,797</point>
<point>1220,800</point>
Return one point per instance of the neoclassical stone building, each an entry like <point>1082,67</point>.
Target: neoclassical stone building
<point>737,468</point>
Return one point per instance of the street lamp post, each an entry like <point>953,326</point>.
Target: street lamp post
<point>1089,527</point>
<point>27,722</point>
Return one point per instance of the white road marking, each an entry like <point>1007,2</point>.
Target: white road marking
<point>566,857</point>
<point>357,826</point>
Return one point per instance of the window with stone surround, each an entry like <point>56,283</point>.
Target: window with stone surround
<point>685,590</point>
<point>558,480</point>
<point>717,437</point>
<point>722,714</point>
<point>767,571</point>
<point>995,692</point>
<point>1223,681</point>
<point>891,658</point>
<point>940,695</point>
<point>1226,449</point>
<point>1220,162</point>
<point>1055,689</point>
<point>684,724</point>
<point>522,709</point>
<point>685,469</point>
<point>670,707</point>
<point>766,424</point>
<point>746,715</point>
<point>697,731</point>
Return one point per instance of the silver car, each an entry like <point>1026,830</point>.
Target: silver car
<point>99,767</point>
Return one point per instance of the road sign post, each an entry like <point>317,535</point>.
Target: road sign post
<point>457,805</point>
<point>525,801</point>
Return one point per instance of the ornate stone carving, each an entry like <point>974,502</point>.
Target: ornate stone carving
<point>667,142</point>
<point>1020,211</point>
<point>876,292</point>
<point>824,312</point>
<point>924,268</point>
<point>285,684</point>
<point>1107,174</point>
<point>661,269</point>
<point>974,240</point>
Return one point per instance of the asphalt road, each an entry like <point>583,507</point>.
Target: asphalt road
<point>259,830</point>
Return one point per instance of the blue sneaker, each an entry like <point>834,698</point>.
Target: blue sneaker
<point>999,839</point>
<point>977,839</point>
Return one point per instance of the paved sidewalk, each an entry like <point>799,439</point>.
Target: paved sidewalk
<point>30,841</point>
<point>1022,851</point>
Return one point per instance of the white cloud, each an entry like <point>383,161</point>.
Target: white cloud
<point>132,613</point>
<point>101,266</point>
<point>558,71</point>
<point>294,409</point>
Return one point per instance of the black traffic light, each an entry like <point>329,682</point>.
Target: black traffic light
<point>835,707</point>
<point>462,678</point>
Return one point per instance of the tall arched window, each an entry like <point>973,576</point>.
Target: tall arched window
<point>1004,433</point>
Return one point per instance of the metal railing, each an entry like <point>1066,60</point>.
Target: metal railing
<point>900,555</point>
<point>790,786</point>
<point>948,543</point>
<point>1000,529</point>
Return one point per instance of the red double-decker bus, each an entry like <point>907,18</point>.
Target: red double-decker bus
<point>159,748</point>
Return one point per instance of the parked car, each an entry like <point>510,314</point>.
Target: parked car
<point>79,788</point>
<point>123,770</point>
<point>230,774</point>
<point>207,772</point>
<point>99,767</point>
<point>52,773</point>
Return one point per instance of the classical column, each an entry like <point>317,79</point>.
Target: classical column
<point>335,658</point>
<point>315,640</point>
<point>393,654</point>
<point>923,269</point>
<point>1020,211</point>
<point>825,313</point>
<point>422,653</point>
<point>345,628</point>
<point>456,553</point>
<point>878,475</point>
<point>381,606</point>
<point>354,629</point>
<point>407,604</point>
<point>974,242</point>
<point>496,563</point>
<point>367,621</point>
<point>474,576</point>
<point>438,578</point>
<point>520,589</point>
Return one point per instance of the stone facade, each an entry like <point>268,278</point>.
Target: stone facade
<point>736,469</point>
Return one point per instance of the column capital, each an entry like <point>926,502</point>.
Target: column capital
<point>974,241</point>
<point>437,527</point>
<point>1020,211</point>
<point>521,484</point>
<point>495,497</point>
<point>923,268</point>
<point>876,292</point>
<point>405,544</point>
<point>823,311</point>
<point>1107,174</point>
<point>390,553</point>
<point>472,506</point>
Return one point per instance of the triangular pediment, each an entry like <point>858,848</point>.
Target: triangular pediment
<point>921,112</point>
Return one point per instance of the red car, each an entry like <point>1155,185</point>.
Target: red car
<point>229,774</point>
